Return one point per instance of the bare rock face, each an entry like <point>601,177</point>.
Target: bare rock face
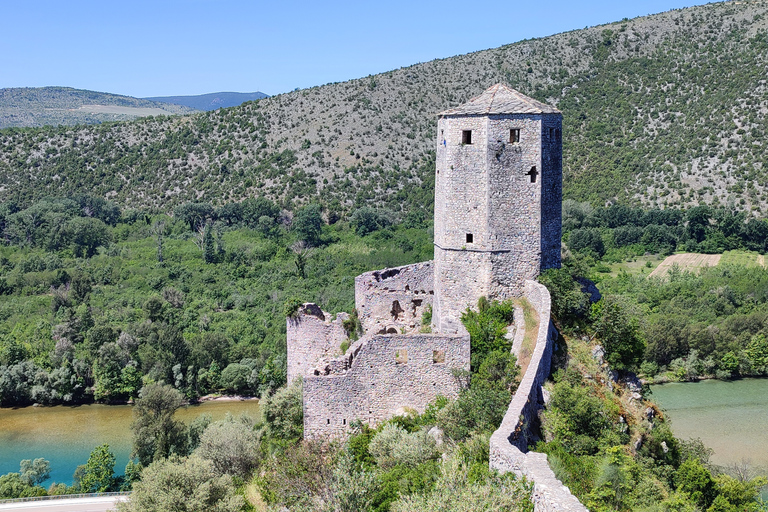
<point>437,435</point>
<point>598,354</point>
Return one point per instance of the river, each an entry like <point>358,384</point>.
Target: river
<point>731,417</point>
<point>65,436</point>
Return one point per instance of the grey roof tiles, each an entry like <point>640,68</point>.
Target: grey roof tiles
<point>500,99</point>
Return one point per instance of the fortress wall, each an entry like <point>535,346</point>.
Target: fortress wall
<point>509,444</point>
<point>379,377</point>
<point>393,300</point>
<point>312,336</point>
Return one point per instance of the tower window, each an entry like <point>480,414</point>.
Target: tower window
<point>551,134</point>
<point>470,238</point>
<point>514,135</point>
<point>466,136</point>
<point>532,174</point>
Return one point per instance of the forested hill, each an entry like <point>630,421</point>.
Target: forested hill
<point>665,109</point>
<point>54,106</point>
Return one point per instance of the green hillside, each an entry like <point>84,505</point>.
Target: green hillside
<point>54,106</point>
<point>665,109</point>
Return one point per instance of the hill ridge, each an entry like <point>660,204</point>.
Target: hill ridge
<point>663,110</point>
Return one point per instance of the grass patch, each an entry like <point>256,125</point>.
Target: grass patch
<point>531,332</point>
<point>742,258</point>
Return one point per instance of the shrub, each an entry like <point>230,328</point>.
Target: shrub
<point>393,445</point>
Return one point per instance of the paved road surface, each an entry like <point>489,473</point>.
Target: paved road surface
<point>66,505</point>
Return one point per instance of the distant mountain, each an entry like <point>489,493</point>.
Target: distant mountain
<point>211,101</point>
<point>54,106</point>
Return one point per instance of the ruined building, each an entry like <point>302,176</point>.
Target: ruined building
<point>498,192</point>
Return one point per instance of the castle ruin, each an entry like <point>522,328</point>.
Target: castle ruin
<point>498,193</point>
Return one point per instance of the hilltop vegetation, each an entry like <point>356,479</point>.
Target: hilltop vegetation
<point>53,106</point>
<point>666,109</point>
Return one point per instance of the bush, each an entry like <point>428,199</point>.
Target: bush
<point>230,445</point>
<point>283,413</point>
<point>393,445</point>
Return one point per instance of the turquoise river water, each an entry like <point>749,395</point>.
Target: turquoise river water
<point>65,435</point>
<point>729,417</point>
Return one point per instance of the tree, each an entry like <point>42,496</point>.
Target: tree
<point>183,485</point>
<point>230,445</point>
<point>194,214</point>
<point>619,332</point>
<point>283,412</point>
<point>308,223</point>
<point>156,434</point>
<point>85,235</point>
<point>98,474</point>
<point>35,472</point>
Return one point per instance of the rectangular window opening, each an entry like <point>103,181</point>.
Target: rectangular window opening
<point>438,356</point>
<point>551,134</point>
<point>466,136</point>
<point>514,135</point>
<point>344,421</point>
<point>470,238</point>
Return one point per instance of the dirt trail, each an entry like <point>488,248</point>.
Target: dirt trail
<point>761,260</point>
<point>687,261</point>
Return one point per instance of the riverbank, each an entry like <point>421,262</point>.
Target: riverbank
<point>66,435</point>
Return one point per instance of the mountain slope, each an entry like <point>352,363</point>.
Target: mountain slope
<point>41,106</point>
<point>666,109</point>
<point>211,101</point>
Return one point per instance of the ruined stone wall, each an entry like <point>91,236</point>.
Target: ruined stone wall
<point>381,376</point>
<point>311,337</point>
<point>392,301</point>
<point>509,444</point>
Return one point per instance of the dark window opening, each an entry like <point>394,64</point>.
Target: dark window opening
<point>470,238</point>
<point>344,421</point>
<point>551,134</point>
<point>532,174</point>
<point>514,135</point>
<point>466,137</point>
<point>328,421</point>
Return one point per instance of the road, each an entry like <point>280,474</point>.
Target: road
<point>102,504</point>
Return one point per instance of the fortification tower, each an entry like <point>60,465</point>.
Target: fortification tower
<point>498,193</point>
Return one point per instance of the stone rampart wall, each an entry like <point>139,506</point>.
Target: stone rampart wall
<point>392,301</point>
<point>312,336</point>
<point>509,444</point>
<point>381,376</point>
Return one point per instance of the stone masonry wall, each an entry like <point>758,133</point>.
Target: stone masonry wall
<point>509,444</point>
<point>381,376</point>
<point>497,208</point>
<point>312,336</point>
<point>392,301</point>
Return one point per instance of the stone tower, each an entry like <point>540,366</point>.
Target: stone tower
<point>498,194</point>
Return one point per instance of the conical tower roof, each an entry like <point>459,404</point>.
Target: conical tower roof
<point>500,99</point>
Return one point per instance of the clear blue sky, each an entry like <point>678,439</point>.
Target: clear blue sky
<point>168,47</point>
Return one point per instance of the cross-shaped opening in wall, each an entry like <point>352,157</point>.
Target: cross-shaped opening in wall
<point>532,174</point>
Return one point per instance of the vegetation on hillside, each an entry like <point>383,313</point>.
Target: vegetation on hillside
<point>665,109</point>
